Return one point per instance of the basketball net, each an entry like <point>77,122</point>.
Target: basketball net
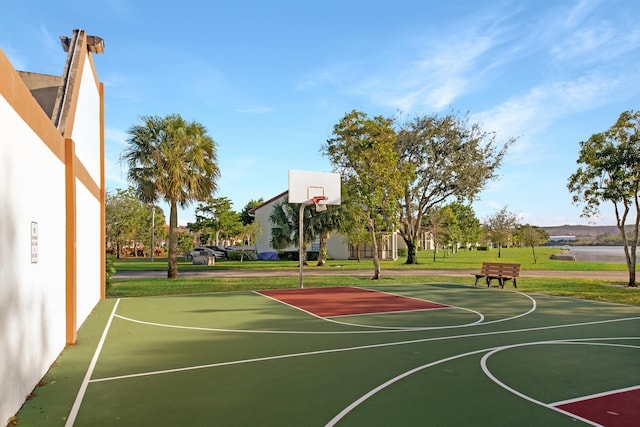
<point>320,202</point>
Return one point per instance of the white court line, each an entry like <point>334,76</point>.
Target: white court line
<point>85,382</point>
<point>533,308</point>
<point>362,347</point>
<point>595,396</point>
<point>392,381</point>
<point>582,341</point>
<point>380,329</point>
<point>409,328</point>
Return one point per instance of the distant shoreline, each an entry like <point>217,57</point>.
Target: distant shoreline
<point>612,254</point>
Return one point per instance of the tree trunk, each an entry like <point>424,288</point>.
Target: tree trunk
<point>412,257</point>
<point>374,249</point>
<point>172,272</point>
<point>533,249</point>
<point>499,250</point>
<point>629,250</point>
<point>322,250</point>
<point>630,255</point>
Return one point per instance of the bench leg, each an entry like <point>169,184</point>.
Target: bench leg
<point>501,280</point>
<point>515,285</point>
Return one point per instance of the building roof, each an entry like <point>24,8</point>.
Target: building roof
<point>53,92</point>
<point>271,200</point>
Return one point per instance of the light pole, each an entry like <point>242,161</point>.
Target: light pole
<point>319,208</point>
<point>153,226</point>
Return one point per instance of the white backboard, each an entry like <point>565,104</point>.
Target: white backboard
<point>304,185</point>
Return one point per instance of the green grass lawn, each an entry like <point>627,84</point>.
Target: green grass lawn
<point>461,260</point>
<point>615,292</point>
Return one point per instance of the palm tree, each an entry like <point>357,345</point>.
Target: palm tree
<point>323,224</point>
<point>173,160</point>
<point>285,218</point>
<point>284,232</point>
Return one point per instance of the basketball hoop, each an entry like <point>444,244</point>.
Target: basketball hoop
<point>320,202</point>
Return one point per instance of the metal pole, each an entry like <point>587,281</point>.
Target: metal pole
<point>301,247</point>
<point>153,226</point>
<point>300,240</point>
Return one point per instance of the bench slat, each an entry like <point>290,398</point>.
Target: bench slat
<point>500,271</point>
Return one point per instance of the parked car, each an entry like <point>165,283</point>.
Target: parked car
<point>223,251</point>
<point>203,251</point>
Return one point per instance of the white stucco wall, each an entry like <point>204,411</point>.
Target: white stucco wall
<point>263,217</point>
<point>87,252</point>
<point>86,126</point>
<point>86,137</point>
<point>32,295</point>
<point>33,191</point>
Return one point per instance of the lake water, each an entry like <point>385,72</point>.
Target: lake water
<point>598,253</point>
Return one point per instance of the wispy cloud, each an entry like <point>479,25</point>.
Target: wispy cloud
<point>115,135</point>
<point>542,105</point>
<point>432,80</point>
<point>579,13</point>
<point>49,42</point>
<point>530,116</point>
<point>114,174</point>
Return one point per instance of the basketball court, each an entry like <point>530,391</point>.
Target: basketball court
<point>442,354</point>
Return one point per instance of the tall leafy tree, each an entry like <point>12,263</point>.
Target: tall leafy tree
<point>174,160</point>
<point>362,150</point>
<point>354,229</point>
<point>216,217</point>
<point>609,172</point>
<point>447,157</point>
<point>119,217</point>
<point>245,217</point>
<point>438,221</point>
<point>531,235</point>
<point>451,229</point>
<point>129,222</point>
<point>500,227</point>
<point>468,224</point>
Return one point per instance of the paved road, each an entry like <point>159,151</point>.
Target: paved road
<point>602,275</point>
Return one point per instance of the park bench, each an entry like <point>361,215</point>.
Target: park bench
<point>500,271</point>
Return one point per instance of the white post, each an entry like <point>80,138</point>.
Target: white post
<point>301,247</point>
<point>153,226</point>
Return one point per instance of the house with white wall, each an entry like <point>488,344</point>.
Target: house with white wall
<point>52,260</point>
<point>337,245</point>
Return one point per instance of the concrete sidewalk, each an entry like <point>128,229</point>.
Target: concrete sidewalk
<point>332,271</point>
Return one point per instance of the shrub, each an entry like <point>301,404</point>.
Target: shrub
<point>110,270</point>
<point>295,256</point>
<point>237,256</point>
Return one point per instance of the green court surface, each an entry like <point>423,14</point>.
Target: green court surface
<point>493,357</point>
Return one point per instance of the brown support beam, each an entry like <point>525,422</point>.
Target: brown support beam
<point>71,262</point>
<point>103,227</point>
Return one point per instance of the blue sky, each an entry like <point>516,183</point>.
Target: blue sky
<point>270,79</point>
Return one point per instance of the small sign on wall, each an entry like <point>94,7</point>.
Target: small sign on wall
<point>34,242</point>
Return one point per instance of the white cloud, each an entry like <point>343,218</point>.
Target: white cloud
<point>583,42</point>
<point>542,105</point>
<point>579,13</point>
<point>433,81</point>
<point>114,175</point>
<point>115,135</point>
